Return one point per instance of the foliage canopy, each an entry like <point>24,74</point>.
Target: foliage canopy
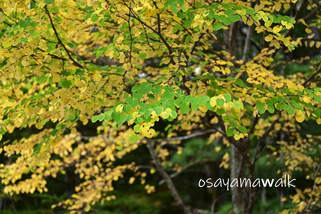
<point>215,68</point>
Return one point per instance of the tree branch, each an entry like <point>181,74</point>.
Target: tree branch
<point>166,177</point>
<point>60,42</point>
<point>260,141</point>
<point>247,44</point>
<point>312,13</point>
<point>186,167</point>
<point>186,137</point>
<point>316,72</point>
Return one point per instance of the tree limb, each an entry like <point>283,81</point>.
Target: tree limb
<point>60,42</point>
<point>167,178</point>
<point>186,167</point>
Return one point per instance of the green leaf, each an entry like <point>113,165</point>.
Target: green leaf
<point>137,128</point>
<point>198,4</point>
<point>138,95</point>
<point>41,79</point>
<point>94,17</point>
<point>127,108</point>
<point>49,1</point>
<point>65,83</point>
<point>194,105</point>
<point>238,104</point>
<point>142,56</point>
<point>260,107</point>
<point>116,116</point>
<point>184,108</point>
<point>94,119</point>
<point>242,129</point>
<point>157,89</point>
<point>289,109</point>
<point>133,138</point>
<point>139,120</point>
<point>220,111</point>
<point>229,132</point>
<point>235,18</point>
<point>168,93</point>
<point>135,88</point>
<point>146,87</point>
<point>101,117</point>
<point>279,106</point>
<point>226,21</point>
<point>122,119</point>
<point>159,110</point>
<point>217,26</point>
<point>108,114</point>
<point>220,102</point>
<point>148,113</point>
<point>174,114</point>
<point>227,97</point>
<point>101,101</point>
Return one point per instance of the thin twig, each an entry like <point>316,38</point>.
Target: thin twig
<point>168,180</point>
<point>186,167</point>
<point>260,141</point>
<point>60,42</point>
<point>186,137</point>
<point>316,72</point>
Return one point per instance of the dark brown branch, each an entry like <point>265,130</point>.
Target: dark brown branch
<point>260,141</point>
<point>316,72</point>
<point>312,13</point>
<point>186,167</point>
<point>60,42</point>
<point>166,177</point>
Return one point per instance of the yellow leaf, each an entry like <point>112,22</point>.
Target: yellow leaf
<point>119,108</point>
<point>287,6</point>
<point>268,23</point>
<point>277,29</point>
<point>24,62</point>
<point>244,18</point>
<point>213,101</point>
<point>166,60</point>
<point>7,43</point>
<point>97,76</point>
<point>318,121</point>
<point>18,75</point>
<point>311,44</point>
<point>288,25</point>
<point>150,133</point>
<point>131,180</point>
<point>308,30</point>
<point>152,171</point>
<point>299,116</point>
<point>268,38</point>
<point>87,208</point>
<point>278,6</point>
<point>318,44</point>
<point>250,22</point>
<point>202,108</point>
<point>122,57</point>
<point>56,78</point>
